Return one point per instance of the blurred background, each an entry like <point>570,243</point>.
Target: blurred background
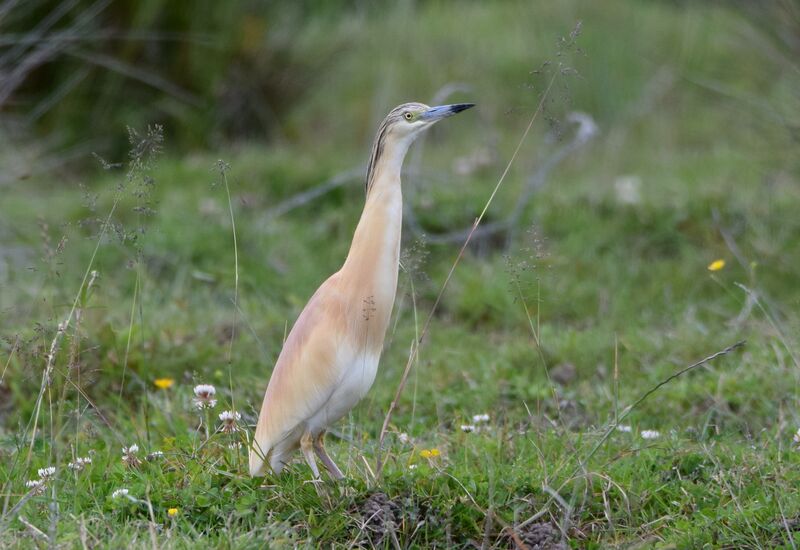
<point>668,138</point>
<point>650,219</point>
<point>76,73</point>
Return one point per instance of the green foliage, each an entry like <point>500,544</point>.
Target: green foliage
<point>598,297</point>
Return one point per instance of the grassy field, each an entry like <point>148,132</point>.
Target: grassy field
<point>554,332</point>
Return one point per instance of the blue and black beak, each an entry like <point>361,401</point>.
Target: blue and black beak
<point>444,111</point>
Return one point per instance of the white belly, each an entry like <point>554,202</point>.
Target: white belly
<point>358,373</point>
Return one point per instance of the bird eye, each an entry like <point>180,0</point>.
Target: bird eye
<point>408,116</point>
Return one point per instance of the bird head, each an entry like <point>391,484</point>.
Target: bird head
<point>402,125</point>
<point>410,119</point>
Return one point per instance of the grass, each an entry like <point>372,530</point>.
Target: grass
<point>595,301</point>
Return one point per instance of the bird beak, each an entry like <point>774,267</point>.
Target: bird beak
<point>444,111</point>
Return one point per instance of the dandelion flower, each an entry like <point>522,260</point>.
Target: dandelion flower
<point>129,457</point>
<point>650,434</point>
<point>205,396</point>
<point>467,428</point>
<point>164,383</point>
<point>172,512</point>
<point>229,420</point>
<point>429,453</point>
<point>119,493</point>
<point>716,265</point>
<point>478,418</point>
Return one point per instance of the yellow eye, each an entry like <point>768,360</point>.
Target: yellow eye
<point>408,116</point>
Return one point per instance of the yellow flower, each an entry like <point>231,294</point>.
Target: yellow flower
<point>429,453</point>
<point>163,383</point>
<point>716,265</point>
<point>172,512</point>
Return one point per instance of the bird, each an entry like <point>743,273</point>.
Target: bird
<point>330,358</point>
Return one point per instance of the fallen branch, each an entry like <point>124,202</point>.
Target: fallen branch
<point>301,199</point>
<point>585,132</point>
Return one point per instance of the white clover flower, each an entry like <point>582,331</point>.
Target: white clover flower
<point>155,455</point>
<point>47,473</point>
<point>624,428</point>
<point>478,418</point>
<point>129,456</point>
<point>80,463</point>
<point>229,420</point>
<point>650,434</point>
<point>35,485</point>
<point>204,396</point>
<point>467,428</point>
<point>119,493</point>
<point>403,437</point>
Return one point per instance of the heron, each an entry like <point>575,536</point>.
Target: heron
<point>330,358</point>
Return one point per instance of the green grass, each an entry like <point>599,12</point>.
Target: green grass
<point>618,297</point>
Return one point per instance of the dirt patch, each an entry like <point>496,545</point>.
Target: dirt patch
<point>380,516</point>
<point>541,536</point>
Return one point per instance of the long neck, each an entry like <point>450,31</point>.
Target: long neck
<point>372,263</point>
<point>377,236</point>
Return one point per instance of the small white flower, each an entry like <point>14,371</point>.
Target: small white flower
<point>229,420</point>
<point>478,418</point>
<point>467,428</point>
<point>119,493</point>
<point>155,455</point>
<point>80,463</point>
<point>129,456</point>
<point>412,466</point>
<point>624,428</point>
<point>204,396</point>
<point>403,437</point>
<point>650,434</point>
<point>796,437</point>
<point>36,485</point>
<point>47,473</point>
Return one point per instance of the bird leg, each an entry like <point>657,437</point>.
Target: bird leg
<point>306,444</point>
<point>319,448</point>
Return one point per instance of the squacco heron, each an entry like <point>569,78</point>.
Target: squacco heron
<point>330,358</point>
